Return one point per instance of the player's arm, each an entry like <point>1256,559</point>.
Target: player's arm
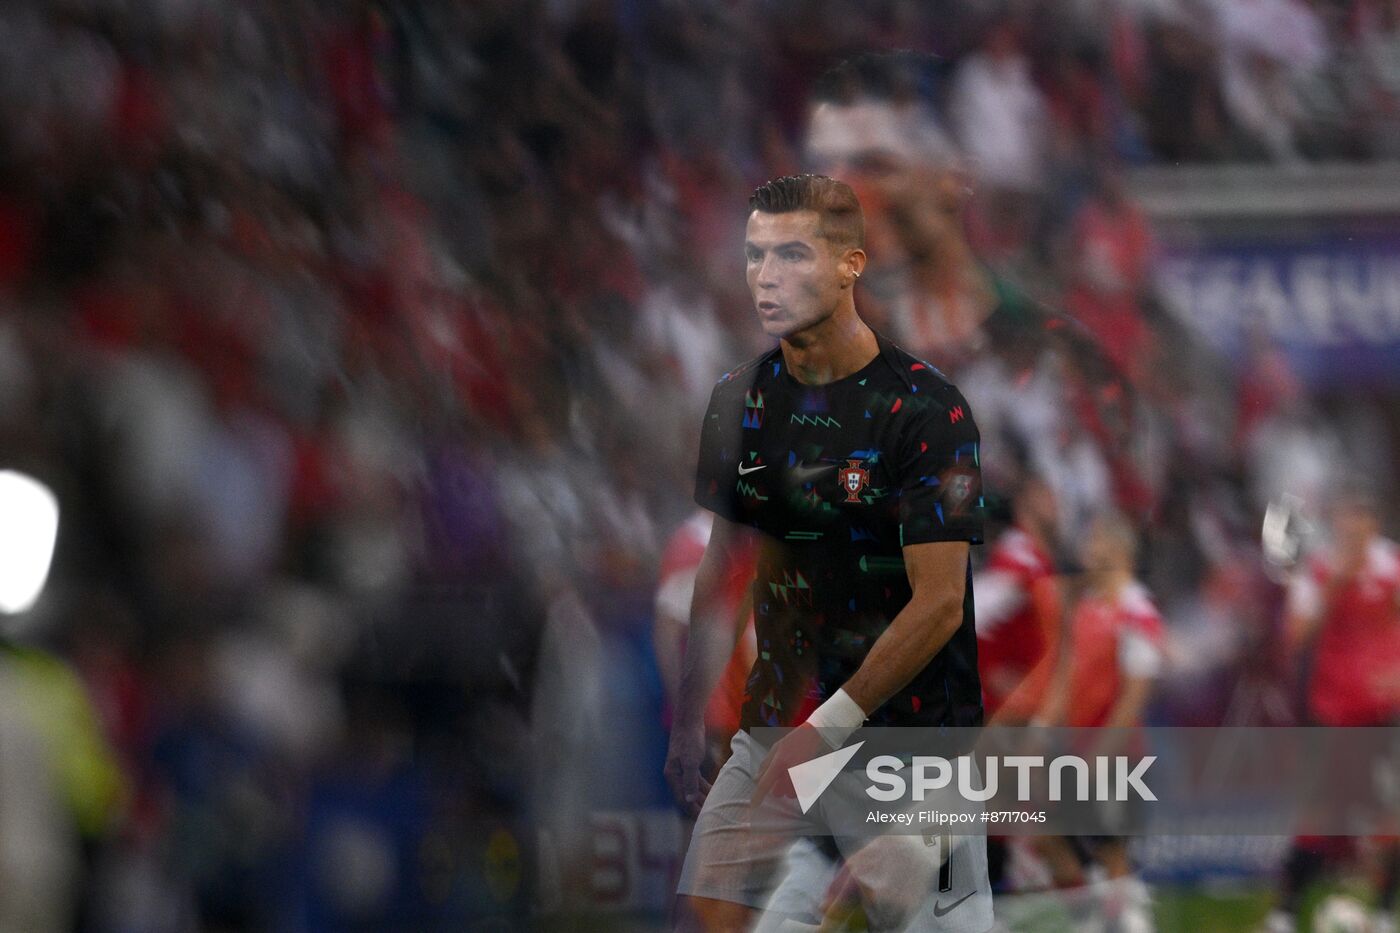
<point>940,512</point>
<point>1140,661</point>
<point>672,621</point>
<point>1054,703</point>
<point>937,575</point>
<point>1132,702</point>
<point>1303,610</point>
<point>714,631</point>
<point>1300,628</point>
<point>667,642</point>
<point>714,627</point>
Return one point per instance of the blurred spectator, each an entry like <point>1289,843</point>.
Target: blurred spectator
<point>1111,250</point>
<point>1376,70</point>
<point>1182,105</point>
<point>1018,615</point>
<point>1267,46</point>
<point>999,113</point>
<point>62,790</point>
<point>1001,121</point>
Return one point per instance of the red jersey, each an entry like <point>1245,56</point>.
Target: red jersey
<point>1358,646</point>
<point>1113,250</point>
<point>1111,639</point>
<point>679,563</point>
<point>1011,640</point>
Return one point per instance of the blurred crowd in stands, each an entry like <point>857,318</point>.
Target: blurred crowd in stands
<point>365,347</point>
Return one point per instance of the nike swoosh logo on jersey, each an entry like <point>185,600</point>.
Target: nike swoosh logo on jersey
<point>939,910</point>
<point>744,472</point>
<point>809,474</point>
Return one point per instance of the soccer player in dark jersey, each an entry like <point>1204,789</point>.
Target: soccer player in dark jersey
<point>856,467</point>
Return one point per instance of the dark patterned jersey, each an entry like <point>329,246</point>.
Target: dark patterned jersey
<point>838,478</point>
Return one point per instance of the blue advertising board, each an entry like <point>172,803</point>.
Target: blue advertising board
<point>1332,300</point>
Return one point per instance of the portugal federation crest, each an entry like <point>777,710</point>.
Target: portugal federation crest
<point>959,490</point>
<point>853,478</point>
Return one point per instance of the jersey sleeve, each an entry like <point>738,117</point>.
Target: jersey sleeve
<point>1142,643</point>
<point>940,481</point>
<point>1000,595</point>
<point>680,562</point>
<point>1304,594</point>
<point>715,475</point>
<point>674,594</point>
<point>1139,654</point>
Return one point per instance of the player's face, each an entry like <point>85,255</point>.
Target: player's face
<point>1103,551</point>
<point>1092,553</point>
<point>1354,525</point>
<point>796,277</point>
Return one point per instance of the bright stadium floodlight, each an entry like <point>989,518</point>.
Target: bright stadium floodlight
<point>28,530</point>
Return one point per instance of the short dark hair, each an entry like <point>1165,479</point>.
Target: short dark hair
<point>840,219</point>
<point>881,76</point>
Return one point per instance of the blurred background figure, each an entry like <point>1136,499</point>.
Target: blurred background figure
<point>362,346</point>
<point>1018,610</point>
<point>1343,627</point>
<point>676,586</point>
<point>61,796</point>
<point>1107,656</point>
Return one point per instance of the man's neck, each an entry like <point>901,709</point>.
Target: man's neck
<point>1111,583</point>
<point>831,350</point>
<point>1036,533</point>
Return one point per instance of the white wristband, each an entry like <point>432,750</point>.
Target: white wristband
<point>837,718</point>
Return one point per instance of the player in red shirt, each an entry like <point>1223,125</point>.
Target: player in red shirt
<point>1113,650</point>
<point>1102,675</point>
<point>1018,618</point>
<point>1344,605</point>
<point>1115,647</point>
<point>1017,611</point>
<point>1347,600</point>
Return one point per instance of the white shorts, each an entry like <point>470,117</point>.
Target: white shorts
<point>906,884</point>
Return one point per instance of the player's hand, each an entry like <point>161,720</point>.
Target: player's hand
<point>799,746</point>
<point>683,760</point>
